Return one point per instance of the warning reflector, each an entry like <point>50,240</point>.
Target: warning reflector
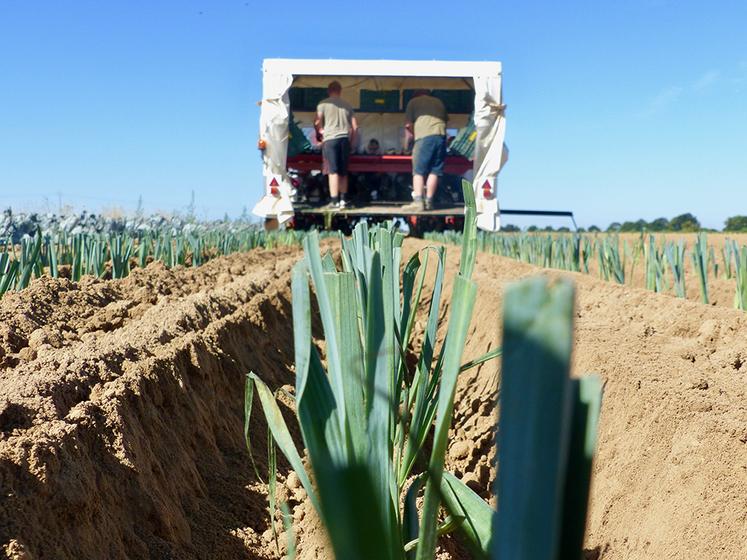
<point>487,190</point>
<point>274,182</point>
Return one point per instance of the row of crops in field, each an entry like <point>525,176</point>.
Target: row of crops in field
<point>662,261</point>
<point>15,225</point>
<point>375,413</point>
<point>112,255</point>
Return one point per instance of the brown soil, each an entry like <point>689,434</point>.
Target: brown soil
<point>670,478</point>
<point>121,414</point>
<point>121,411</point>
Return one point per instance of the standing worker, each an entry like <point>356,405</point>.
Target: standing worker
<point>426,118</point>
<point>337,126</point>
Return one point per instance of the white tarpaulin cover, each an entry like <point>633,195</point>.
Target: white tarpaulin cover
<point>273,128</point>
<point>490,152</point>
<point>485,77</point>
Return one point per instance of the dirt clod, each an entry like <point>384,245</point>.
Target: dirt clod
<point>460,449</point>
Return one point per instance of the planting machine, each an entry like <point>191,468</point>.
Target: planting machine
<point>295,187</point>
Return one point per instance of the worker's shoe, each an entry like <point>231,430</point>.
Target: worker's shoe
<point>428,204</point>
<point>333,205</point>
<point>414,206</point>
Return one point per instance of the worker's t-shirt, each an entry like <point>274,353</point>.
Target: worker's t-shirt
<point>337,117</point>
<point>428,115</point>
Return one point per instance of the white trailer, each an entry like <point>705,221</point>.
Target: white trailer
<point>480,81</point>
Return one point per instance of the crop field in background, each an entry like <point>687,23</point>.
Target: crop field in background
<point>710,267</point>
<point>113,255</point>
<point>125,350</point>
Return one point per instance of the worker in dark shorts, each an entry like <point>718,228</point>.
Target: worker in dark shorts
<point>426,118</point>
<point>336,124</point>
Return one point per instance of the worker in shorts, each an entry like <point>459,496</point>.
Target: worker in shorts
<point>337,126</point>
<point>426,118</point>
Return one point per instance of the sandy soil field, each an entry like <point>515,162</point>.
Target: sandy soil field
<point>121,414</point>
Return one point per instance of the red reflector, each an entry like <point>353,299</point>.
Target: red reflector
<point>274,182</point>
<point>274,191</point>
<point>487,190</point>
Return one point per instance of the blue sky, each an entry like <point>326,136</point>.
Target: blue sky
<point>616,110</point>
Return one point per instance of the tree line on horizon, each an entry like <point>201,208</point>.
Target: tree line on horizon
<point>685,223</point>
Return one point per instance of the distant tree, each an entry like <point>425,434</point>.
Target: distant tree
<point>532,228</point>
<point>659,224</point>
<point>594,229</point>
<point>684,222</point>
<point>614,226</point>
<point>564,229</point>
<point>510,228</point>
<point>547,228</point>
<point>639,225</point>
<point>581,230</point>
<point>736,223</point>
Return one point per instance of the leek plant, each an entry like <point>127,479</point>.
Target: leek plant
<point>740,271</point>
<point>727,254</point>
<point>50,251</point>
<point>195,245</point>
<point>29,260</point>
<point>120,250</point>
<point>700,264</point>
<point>586,252</point>
<point>633,254</point>
<point>8,271</point>
<point>712,262</point>
<point>675,254</point>
<point>365,418</point>
<point>144,244</point>
<point>547,430</point>
<point>97,256</point>
<point>654,266</point>
<point>610,263</point>
<point>79,244</point>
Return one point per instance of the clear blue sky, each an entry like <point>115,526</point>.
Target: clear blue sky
<point>616,110</point>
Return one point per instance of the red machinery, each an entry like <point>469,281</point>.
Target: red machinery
<point>455,165</point>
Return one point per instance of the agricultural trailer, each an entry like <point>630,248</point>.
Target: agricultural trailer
<point>294,186</point>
